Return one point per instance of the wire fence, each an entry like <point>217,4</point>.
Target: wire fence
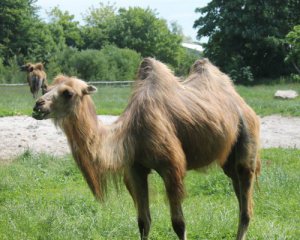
<point>104,83</point>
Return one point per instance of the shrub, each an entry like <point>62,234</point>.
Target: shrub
<point>185,60</point>
<point>109,64</point>
<point>243,75</point>
<point>11,73</point>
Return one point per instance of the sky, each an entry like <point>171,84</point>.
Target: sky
<point>182,11</point>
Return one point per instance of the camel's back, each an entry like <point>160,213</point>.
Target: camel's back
<point>203,116</point>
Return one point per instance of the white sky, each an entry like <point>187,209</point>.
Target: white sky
<point>182,11</point>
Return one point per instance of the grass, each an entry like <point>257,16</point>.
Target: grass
<point>260,98</point>
<point>42,197</point>
<point>17,100</point>
<point>113,100</point>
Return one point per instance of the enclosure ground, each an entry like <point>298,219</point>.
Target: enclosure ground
<point>21,133</point>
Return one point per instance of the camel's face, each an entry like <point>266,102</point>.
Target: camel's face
<point>27,67</point>
<point>61,99</point>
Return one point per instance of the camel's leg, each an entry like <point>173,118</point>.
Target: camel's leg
<point>242,179</point>
<point>175,191</point>
<point>245,181</point>
<point>137,184</point>
<point>44,86</point>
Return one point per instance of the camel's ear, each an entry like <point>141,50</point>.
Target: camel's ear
<point>39,66</point>
<point>146,68</point>
<point>90,89</point>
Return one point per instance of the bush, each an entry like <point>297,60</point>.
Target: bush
<point>109,64</point>
<point>123,63</point>
<point>11,73</point>
<point>295,78</point>
<point>243,75</point>
<point>185,60</point>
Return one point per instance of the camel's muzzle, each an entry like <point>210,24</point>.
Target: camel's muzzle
<point>23,68</point>
<point>39,112</point>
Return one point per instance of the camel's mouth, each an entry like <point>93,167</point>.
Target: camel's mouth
<point>39,115</point>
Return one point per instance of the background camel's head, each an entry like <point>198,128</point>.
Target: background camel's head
<point>61,98</point>
<point>30,67</point>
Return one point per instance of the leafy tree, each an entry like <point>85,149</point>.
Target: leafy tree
<point>98,22</point>
<point>245,36</point>
<point>293,41</point>
<point>22,33</point>
<point>71,29</point>
<point>186,59</point>
<point>140,29</point>
<point>16,18</point>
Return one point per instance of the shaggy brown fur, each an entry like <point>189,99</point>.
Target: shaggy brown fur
<point>168,126</point>
<point>36,78</point>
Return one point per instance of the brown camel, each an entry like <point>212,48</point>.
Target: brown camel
<point>168,126</point>
<point>36,78</point>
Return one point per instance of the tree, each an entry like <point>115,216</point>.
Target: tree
<point>140,29</point>
<point>16,18</point>
<point>245,36</point>
<point>293,41</point>
<point>70,28</point>
<point>98,22</point>
<point>23,35</point>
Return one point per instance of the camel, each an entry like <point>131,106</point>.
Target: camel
<point>168,126</point>
<point>36,78</point>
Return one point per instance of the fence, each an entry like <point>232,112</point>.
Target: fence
<point>105,83</point>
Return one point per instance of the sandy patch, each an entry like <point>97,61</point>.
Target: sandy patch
<point>21,133</point>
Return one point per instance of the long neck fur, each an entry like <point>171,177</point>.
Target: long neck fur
<point>97,149</point>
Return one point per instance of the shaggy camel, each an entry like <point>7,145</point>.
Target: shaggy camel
<point>168,126</point>
<point>36,78</point>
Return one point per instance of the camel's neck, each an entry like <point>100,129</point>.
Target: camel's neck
<point>97,149</point>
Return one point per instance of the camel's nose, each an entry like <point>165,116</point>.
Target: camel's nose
<point>40,102</point>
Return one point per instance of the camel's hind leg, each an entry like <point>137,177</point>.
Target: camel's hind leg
<point>136,182</point>
<point>242,179</point>
<point>175,191</point>
<point>245,181</point>
<point>241,167</point>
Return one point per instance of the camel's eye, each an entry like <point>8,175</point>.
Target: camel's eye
<point>67,94</point>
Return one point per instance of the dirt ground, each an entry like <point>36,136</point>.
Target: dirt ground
<point>21,133</point>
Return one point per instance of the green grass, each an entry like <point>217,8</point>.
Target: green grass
<point>261,99</point>
<point>113,100</point>
<point>43,197</point>
<point>17,100</point>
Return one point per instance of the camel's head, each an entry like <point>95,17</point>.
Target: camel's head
<point>29,67</point>
<point>61,98</point>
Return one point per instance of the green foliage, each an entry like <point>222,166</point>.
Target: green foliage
<point>16,19</point>
<point>122,63</point>
<point>186,59</point>
<point>29,39</point>
<point>293,41</point>
<point>139,29</point>
<point>110,63</point>
<point>23,35</point>
<point>70,28</point>
<point>44,197</point>
<point>98,24</point>
<point>247,36</point>
<point>11,73</point>
<point>295,78</point>
<point>134,28</point>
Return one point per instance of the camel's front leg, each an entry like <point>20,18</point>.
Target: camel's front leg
<point>137,184</point>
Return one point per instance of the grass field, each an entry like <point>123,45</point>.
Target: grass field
<point>112,100</point>
<point>42,197</point>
